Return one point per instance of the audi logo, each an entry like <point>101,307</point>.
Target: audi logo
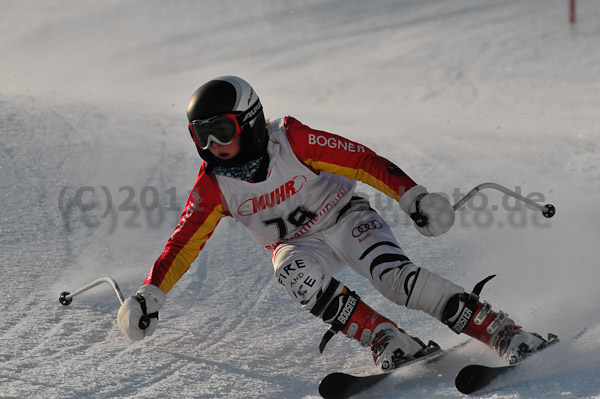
<point>363,228</point>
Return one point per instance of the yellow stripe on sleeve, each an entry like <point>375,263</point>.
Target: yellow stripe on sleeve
<point>353,173</point>
<point>188,253</point>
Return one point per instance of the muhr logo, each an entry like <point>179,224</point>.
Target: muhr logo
<point>275,197</point>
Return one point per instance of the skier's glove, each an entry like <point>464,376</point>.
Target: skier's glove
<point>138,315</point>
<point>431,213</point>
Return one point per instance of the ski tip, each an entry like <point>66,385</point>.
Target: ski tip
<point>468,380</point>
<point>342,385</point>
<point>475,377</point>
<point>333,384</point>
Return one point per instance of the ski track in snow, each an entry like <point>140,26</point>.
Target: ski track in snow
<point>456,92</point>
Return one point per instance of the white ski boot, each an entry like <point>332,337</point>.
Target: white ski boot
<point>464,313</point>
<point>514,344</point>
<point>346,312</point>
<point>391,346</point>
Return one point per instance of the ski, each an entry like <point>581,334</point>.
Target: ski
<point>475,377</point>
<point>342,385</point>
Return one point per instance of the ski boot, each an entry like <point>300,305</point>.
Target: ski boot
<point>465,314</point>
<point>514,344</point>
<point>390,345</point>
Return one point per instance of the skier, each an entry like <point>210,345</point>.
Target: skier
<point>292,187</point>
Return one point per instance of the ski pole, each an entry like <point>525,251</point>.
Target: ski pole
<point>66,297</point>
<point>547,210</point>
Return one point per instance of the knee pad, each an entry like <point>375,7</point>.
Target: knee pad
<point>302,277</point>
<point>432,293</point>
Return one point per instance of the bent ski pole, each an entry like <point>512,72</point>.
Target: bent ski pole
<point>548,210</point>
<point>66,297</point>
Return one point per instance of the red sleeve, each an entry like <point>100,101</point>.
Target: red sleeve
<point>202,213</point>
<point>335,154</point>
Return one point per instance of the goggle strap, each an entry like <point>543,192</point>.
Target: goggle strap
<point>250,113</point>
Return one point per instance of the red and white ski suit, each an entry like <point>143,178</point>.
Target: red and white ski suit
<point>305,213</point>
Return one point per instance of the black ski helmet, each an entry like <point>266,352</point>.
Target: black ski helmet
<point>231,95</point>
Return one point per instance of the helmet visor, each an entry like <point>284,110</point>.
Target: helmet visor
<point>222,129</point>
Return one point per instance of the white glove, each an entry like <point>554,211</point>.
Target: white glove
<point>432,214</point>
<point>138,315</point>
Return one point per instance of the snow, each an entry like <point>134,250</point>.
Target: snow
<point>96,164</point>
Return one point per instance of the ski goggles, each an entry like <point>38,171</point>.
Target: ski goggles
<point>222,129</point>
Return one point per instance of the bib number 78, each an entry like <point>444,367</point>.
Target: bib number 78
<point>297,218</point>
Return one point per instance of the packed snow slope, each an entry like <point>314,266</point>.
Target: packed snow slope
<point>96,164</point>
